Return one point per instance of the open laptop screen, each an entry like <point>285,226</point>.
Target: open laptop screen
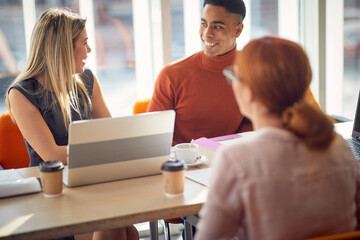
<point>356,128</point>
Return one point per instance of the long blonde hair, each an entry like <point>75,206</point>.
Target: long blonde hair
<point>52,57</point>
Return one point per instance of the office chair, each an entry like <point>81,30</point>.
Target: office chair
<point>140,106</point>
<point>13,152</point>
<point>341,236</point>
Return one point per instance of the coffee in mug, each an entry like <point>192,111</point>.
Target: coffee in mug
<point>187,152</point>
<point>51,178</point>
<point>173,172</point>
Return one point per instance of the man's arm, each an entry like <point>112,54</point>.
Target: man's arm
<point>163,96</point>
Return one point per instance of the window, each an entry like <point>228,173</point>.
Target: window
<point>115,61</point>
<point>177,29</point>
<point>351,80</point>
<point>42,5</point>
<point>261,20</point>
<point>12,44</point>
<point>114,27</point>
<point>264,18</point>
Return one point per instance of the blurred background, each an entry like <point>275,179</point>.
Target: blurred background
<point>121,60</point>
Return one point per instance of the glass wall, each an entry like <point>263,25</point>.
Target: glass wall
<point>351,80</point>
<point>264,18</point>
<point>115,54</point>
<point>115,50</point>
<point>114,43</point>
<point>12,44</point>
<point>42,5</point>
<point>12,38</point>
<point>177,29</point>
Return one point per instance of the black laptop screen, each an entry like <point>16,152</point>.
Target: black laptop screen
<point>356,129</point>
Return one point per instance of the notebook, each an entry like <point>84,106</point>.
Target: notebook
<point>108,149</point>
<point>354,141</point>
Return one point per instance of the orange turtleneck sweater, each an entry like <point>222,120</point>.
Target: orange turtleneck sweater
<point>204,102</point>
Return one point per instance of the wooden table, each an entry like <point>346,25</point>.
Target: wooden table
<point>94,207</point>
<point>101,206</point>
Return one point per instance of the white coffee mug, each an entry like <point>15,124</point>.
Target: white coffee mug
<point>187,152</point>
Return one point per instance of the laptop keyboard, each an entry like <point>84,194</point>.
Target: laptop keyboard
<point>355,146</point>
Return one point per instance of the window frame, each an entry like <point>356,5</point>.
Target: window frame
<point>312,24</point>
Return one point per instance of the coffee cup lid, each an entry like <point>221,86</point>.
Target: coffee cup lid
<point>51,166</point>
<point>173,165</point>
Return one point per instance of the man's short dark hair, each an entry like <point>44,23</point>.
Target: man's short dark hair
<point>232,6</point>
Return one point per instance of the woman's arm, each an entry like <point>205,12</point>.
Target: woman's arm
<point>100,109</point>
<point>34,128</point>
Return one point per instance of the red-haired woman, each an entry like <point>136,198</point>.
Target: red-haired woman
<point>293,178</point>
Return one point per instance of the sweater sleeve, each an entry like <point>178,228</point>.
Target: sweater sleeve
<point>163,96</point>
<point>221,215</point>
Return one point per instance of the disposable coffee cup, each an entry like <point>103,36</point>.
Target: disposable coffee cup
<point>51,178</point>
<point>187,152</point>
<point>173,172</point>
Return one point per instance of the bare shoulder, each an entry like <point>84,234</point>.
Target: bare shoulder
<point>15,96</point>
<point>19,103</point>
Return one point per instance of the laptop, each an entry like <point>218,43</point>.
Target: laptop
<point>108,149</point>
<point>354,141</point>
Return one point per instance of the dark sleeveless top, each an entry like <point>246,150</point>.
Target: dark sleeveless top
<point>52,115</point>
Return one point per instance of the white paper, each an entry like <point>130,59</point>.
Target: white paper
<point>12,184</point>
<point>201,176</point>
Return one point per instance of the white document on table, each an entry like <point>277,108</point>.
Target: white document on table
<point>12,184</point>
<point>201,176</point>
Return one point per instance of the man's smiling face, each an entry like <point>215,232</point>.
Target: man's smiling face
<point>219,30</point>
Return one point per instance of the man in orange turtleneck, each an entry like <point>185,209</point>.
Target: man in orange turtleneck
<point>195,86</point>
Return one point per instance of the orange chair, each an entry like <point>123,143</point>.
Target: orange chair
<point>340,236</point>
<point>140,106</point>
<point>13,152</point>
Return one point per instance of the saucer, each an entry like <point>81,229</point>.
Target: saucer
<point>200,160</point>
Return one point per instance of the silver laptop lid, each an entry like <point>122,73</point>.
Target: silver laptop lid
<point>109,149</point>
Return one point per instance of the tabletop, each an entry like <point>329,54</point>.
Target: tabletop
<point>102,206</point>
<point>94,207</point>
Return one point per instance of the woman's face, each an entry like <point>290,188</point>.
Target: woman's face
<point>81,49</point>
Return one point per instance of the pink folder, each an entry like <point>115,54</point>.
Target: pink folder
<point>212,143</point>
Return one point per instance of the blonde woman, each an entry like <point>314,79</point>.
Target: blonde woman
<point>54,89</point>
<point>294,178</point>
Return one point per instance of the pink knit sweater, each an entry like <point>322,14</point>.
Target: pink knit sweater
<point>270,186</point>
